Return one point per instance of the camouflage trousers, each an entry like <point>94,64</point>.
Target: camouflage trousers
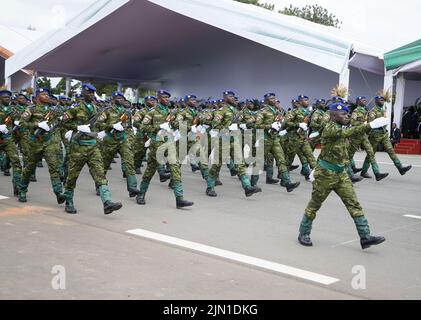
<point>79,155</point>
<point>297,145</point>
<point>169,149</point>
<point>110,148</point>
<point>377,137</point>
<point>139,150</point>
<point>233,148</point>
<point>327,181</point>
<point>314,142</point>
<point>8,146</point>
<point>51,152</point>
<point>362,142</point>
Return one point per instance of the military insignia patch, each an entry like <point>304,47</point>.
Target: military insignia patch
<point>26,115</point>
<point>147,120</point>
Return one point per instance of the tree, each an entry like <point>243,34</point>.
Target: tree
<point>44,82</point>
<point>268,6</point>
<point>314,13</point>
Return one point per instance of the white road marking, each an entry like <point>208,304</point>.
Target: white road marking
<point>260,263</point>
<point>3,197</point>
<point>412,216</point>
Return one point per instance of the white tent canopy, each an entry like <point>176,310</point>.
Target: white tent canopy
<point>162,42</point>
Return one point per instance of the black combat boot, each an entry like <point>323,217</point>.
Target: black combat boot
<point>402,170</point>
<point>368,241</point>
<point>356,170</point>
<point>291,186</point>
<point>233,172</point>
<point>138,171</point>
<point>164,177</point>
<point>365,175</point>
<point>111,206</point>
<point>355,179</point>
<point>211,193</point>
<point>140,199</point>
<point>252,190</point>
<point>271,181</point>
<point>218,182</point>
<point>381,176</point>
<point>15,191</point>
<point>194,167</point>
<point>22,197</point>
<point>305,240</point>
<point>60,198</point>
<point>181,203</point>
<point>293,167</point>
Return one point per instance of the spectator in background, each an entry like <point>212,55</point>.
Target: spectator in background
<point>395,135</point>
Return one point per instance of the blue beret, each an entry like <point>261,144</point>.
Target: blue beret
<point>214,101</point>
<point>163,92</point>
<point>361,98</point>
<point>220,100</point>
<point>190,96</point>
<point>294,101</point>
<point>228,93</point>
<point>278,101</point>
<point>339,107</point>
<point>118,94</point>
<point>267,95</point>
<point>78,95</point>
<point>53,96</point>
<point>149,98</point>
<point>249,100</point>
<point>62,97</point>
<point>319,101</point>
<point>22,95</point>
<point>336,99</point>
<point>301,97</point>
<point>40,90</point>
<point>5,92</point>
<point>88,86</point>
<point>377,98</point>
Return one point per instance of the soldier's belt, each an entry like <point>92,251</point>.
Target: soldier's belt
<point>337,168</point>
<point>87,142</point>
<point>40,138</point>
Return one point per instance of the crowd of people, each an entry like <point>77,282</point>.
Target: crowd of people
<point>71,133</point>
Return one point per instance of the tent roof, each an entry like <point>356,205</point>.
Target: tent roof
<point>15,39</point>
<point>151,39</point>
<point>403,55</point>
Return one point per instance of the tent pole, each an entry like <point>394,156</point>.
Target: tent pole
<point>8,83</point>
<point>34,82</point>
<point>68,82</point>
<point>119,86</point>
<point>344,78</point>
<point>400,99</point>
<point>388,86</point>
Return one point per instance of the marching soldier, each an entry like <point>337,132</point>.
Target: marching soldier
<point>380,135</point>
<point>85,150</point>
<point>7,144</point>
<point>155,123</point>
<point>330,175</point>
<point>44,141</point>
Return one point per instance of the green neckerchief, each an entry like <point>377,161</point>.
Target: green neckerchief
<point>305,111</point>
<point>271,108</point>
<point>163,109</point>
<point>381,109</point>
<point>6,109</point>
<point>90,107</point>
<point>192,111</point>
<point>361,109</point>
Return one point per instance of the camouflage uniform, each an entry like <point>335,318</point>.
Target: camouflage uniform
<point>139,140</point>
<point>378,136</point>
<point>118,142</point>
<point>83,151</point>
<point>330,175</point>
<point>318,119</point>
<point>42,144</point>
<point>359,117</point>
<point>151,126</point>
<point>264,120</point>
<point>297,139</point>
<point>7,145</point>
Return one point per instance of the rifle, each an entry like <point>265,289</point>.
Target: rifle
<point>91,123</point>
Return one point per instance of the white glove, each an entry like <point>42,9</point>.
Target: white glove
<point>165,126</point>
<point>201,129</point>
<point>16,123</point>
<point>44,126</point>
<point>213,133</point>
<point>243,126</point>
<point>379,122</point>
<point>194,129</point>
<point>304,126</point>
<point>84,128</point>
<point>276,126</point>
<point>314,135</point>
<point>3,129</point>
<point>233,127</point>
<point>176,135</point>
<point>135,130</point>
<point>283,132</point>
<point>312,176</point>
<point>68,135</point>
<point>118,126</point>
<point>206,126</point>
<point>101,135</point>
<point>148,143</point>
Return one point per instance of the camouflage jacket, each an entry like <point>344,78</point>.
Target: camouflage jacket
<point>153,119</point>
<point>33,115</point>
<point>112,116</point>
<point>7,117</point>
<point>335,142</point>
<point>265,118</point>
<point>224,117</point>
<point>318,120</point>
<point>78,115</point>
<point>293,120</point>
<point>375,113</point>
<point>248,118</point>
<point>188,115</point>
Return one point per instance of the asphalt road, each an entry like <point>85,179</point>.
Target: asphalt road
<point>257,235</point>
